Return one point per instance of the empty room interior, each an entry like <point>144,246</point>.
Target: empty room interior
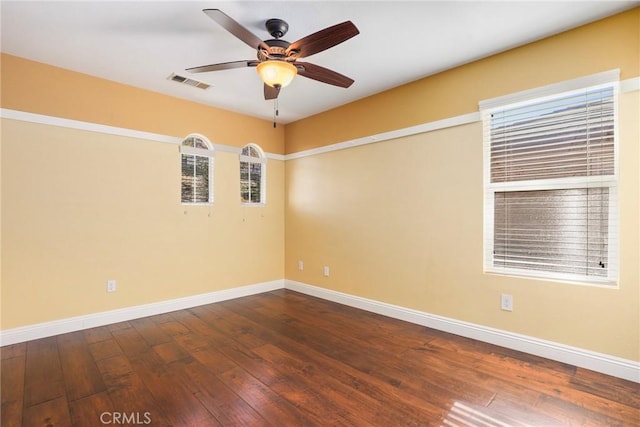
<point>432,219</point>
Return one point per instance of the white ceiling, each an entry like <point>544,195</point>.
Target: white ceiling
<point>142,43</point>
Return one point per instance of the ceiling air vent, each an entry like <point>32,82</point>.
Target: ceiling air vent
<point>188,81</point>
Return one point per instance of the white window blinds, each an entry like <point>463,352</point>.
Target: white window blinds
<point>252,175</point>
<point>195,179</point>
<point>196,166</point>
<point>551,187</point>
<point>562,231</point>
<point>556,138</point>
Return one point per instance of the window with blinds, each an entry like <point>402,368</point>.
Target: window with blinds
<point>197,170</point>
<point>551,187</point>
<point>252,175</point>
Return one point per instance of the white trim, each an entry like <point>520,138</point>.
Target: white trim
<point>394,134</point>
<point>227,148</point>
<point>255,147</point>
<point>630,85</point>
<point>201,152</point>
<point>209,153</point>
<point>112,130</point>
<point>606,364</point>
<point>56,327</point>
<point>199,136</point>
<point>273,156</point>
<point>86,126</point>
<point>238,151</point>
<point>603,363</point>
<point>555,183</point>
<point>262,160</point>
<point>597,79</point>
<point>249,159</point>
<point>551,95</point>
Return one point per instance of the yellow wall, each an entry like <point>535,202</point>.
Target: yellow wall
<point>44,89</point>
<point>604,45</point>
<point>397,221</point>
<point>400,221</point>
<point>81,207</point>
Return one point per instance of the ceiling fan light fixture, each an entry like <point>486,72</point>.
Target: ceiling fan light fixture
<point>276,73</point>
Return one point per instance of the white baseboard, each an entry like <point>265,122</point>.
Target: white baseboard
<point>56,327</point>
<point>606,364</point>
<point>603,363</point>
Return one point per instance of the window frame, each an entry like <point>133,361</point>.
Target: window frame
<point>209,154</point>
<point>611,182</point>
<point>262,161</point>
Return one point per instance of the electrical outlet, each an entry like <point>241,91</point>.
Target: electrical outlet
<point>506,302</point>
<point>300,265</point>
<point>111,285</point>
<point>325,271</point>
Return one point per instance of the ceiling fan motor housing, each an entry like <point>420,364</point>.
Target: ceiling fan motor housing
<point>277,49</point>
<point>277,27</point>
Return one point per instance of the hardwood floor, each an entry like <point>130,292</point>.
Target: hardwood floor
<point>287,359</point>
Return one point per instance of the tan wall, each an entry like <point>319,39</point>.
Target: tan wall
<point>43,89</point>
<point>603,45</point>
<point>400,221</point>
<point>81,208</point>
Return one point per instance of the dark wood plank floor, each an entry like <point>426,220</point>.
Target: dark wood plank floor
<point>287,359</point>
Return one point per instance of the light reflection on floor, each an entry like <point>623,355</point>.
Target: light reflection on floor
<point>461,415</point>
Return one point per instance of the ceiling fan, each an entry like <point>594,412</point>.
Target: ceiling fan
<point>277,60</point>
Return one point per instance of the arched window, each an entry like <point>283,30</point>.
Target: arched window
<point>196,155</point>
<point>252,175</point>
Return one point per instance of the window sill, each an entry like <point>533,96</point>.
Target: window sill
<point>197,204</point>
<point>569,279</point>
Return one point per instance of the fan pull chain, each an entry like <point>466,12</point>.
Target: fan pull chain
<point>276,113</point>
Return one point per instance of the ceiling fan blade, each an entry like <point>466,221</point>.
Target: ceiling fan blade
<point>323,39</point>
<point>270,92</point>
<point>235,28</point>
<point>322,74</point>
<point>223,66</point>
